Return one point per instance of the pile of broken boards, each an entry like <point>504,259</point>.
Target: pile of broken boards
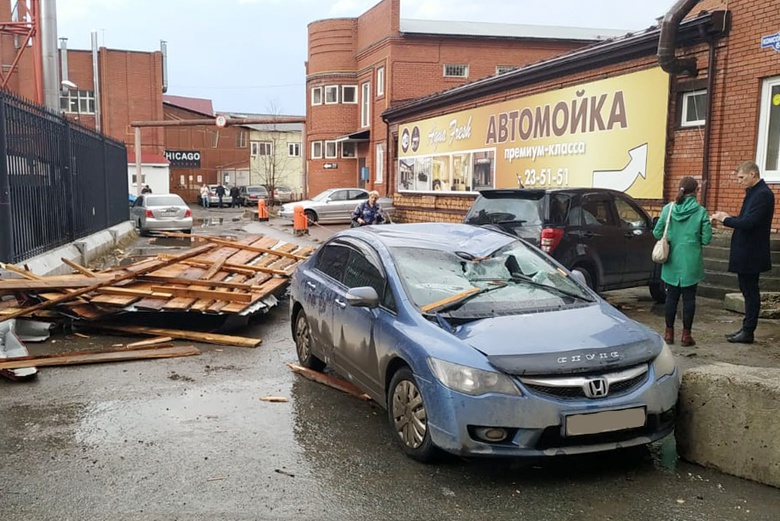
<point>221,277</point>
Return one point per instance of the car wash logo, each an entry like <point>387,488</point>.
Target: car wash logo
<point>415,139</point>
<point>771,41</point>
<point>183,158</point>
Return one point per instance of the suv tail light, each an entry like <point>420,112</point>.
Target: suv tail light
<point>188,213</point>
<point>550,239</point>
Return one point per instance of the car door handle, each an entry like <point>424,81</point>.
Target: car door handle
<point>311,285</point>
<point>340,303</point>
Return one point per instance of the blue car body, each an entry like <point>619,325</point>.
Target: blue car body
<point>537,349</point>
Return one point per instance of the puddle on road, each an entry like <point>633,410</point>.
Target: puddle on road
<point>209,221</point>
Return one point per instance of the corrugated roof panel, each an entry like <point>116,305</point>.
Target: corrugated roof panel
<point>485,29</point>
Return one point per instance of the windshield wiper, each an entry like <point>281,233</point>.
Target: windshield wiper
<point>518,277</point>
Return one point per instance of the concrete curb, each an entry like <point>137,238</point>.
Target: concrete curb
<point>82,251</point>
<point>728,420</point>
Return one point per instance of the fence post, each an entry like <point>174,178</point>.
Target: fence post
<point>67,165</point>
<point>6,226</point>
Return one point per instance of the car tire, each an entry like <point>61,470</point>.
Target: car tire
<point>311,216</point>
<point>408,417</point>
<point>590,280</point>
<point>658,291</point>
<point>302,335</point>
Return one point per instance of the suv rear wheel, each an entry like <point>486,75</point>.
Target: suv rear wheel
<point>658,291</point>
<point>590,280</point>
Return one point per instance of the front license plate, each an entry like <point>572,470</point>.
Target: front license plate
<point>605,421</point>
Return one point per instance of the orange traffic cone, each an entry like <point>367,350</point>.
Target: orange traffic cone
<point>262,211</point>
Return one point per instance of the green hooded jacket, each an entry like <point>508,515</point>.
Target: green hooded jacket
<point>689,230</point>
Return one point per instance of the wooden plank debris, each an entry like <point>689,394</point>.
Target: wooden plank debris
<point>337,383</point>
<point>102,356</point>
<point>197,336</point>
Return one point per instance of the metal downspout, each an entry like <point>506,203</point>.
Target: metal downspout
<point>96,80</point>
<point>705,168</point>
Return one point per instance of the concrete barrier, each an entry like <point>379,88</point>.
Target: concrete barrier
<point>728,420</point>
<point>82,251</point>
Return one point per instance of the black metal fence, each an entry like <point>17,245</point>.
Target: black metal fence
<point>58,181</point>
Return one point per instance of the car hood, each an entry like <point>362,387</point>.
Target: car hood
<point>577,340</point>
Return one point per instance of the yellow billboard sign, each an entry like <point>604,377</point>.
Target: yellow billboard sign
<point>609,133</point>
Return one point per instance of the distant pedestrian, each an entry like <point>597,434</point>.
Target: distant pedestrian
<point>689,230</point>
<point>220,191</point>
<point>234,193</point>
<point>205,194</point>
<point>146,190</point>
<point>750,253</point>
<point>368,212</point>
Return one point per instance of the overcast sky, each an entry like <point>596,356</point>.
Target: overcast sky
<point>248,55</point>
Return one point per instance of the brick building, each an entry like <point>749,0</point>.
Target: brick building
<point>359,67</point>
<point>207,154</point>
<point>614,118</point>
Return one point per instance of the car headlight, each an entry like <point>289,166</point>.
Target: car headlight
<point>470,380</point>
<point>664,363</point>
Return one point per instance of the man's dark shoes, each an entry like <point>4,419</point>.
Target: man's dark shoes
<point>743,337</point>
<point>733,334</point>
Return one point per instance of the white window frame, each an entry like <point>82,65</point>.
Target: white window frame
<point>503,69</point>
<point>354,90</point>
<point>763,144</point>
<point>242,138</point>
<point>379,173</point>
<point>349,144</point>
<point>455,70</point>
<point>331,90</point>
<point>687,97</point>
<point>316,96</point>
<point>365,104</point>
<point>380,81</point>
<point>78,102</point>
<point>331,149</point>
<point>316,149</point>
<point>294,149</point>
<point>259,147</point>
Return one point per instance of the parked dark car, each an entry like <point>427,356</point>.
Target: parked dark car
<point>456,331</point>
<point>603,234</point>
<point>249,195</point>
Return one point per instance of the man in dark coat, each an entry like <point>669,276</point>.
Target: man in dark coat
<point>220,191</point>
<point>750,253</point>
<point>234,193</point>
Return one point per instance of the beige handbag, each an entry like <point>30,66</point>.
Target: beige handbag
<point>661,248</point>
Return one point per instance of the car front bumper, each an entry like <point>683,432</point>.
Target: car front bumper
<point>287,214</point>
<point>536,424</point>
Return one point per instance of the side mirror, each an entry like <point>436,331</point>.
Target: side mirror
<point>579,277</point>
<point>363,297</point>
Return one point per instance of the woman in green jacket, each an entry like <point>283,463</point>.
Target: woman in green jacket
<point>689,230</point>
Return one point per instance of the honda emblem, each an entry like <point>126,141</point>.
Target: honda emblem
<point>596,388</point>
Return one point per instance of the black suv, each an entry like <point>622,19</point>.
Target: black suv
<point>603,234</point>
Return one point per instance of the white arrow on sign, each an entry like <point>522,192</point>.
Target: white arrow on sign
<point>623,179</point>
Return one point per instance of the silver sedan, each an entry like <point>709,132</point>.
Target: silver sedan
<point>161,212</point>
<point>335,205</point>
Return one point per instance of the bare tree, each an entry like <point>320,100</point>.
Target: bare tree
<point>277,154</point>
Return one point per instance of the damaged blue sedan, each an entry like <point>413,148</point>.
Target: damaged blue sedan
<point>479,344</point>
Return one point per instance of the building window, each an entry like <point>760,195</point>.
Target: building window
<point>456,71</point>
<point>330,149</point>
<point>316,96</point>
<point>294,149</point>
<point>241,139</point>
<point>380,81</point>
<point>316,149</point>
<point>693,108</point>
<point>503,69</point>
<point>331,94</point>
<point>380,163</point>
<point>365,104</point>
<point>348,149</point>
<point>349,94</point>
<point>214,138</point>
<point>78,102</point>
<point>768,153</point>
<point>262,148</point>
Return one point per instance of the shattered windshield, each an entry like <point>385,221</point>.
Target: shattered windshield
<point>513,279</point>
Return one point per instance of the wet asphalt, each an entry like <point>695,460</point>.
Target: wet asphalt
<point>190,439</point>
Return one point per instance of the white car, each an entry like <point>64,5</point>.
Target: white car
<point>335,205</point>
